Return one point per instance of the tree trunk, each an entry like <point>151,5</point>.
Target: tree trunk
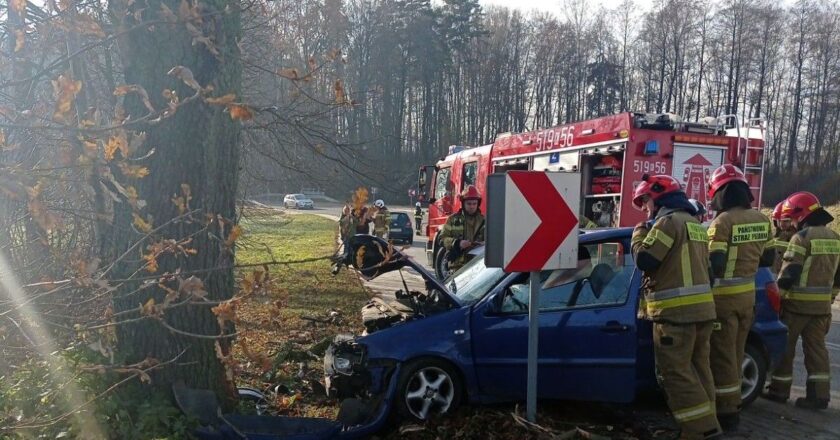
<point>199,147</point>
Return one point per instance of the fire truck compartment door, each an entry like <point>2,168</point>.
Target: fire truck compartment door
<point>557,161</point>
<point>693,166</point>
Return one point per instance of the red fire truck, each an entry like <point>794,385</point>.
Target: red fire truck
<point>611,153</point>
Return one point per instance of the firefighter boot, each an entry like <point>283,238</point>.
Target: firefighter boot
<point>811,401</point>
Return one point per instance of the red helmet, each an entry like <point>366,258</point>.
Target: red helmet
<point>655,187</point>
<point>470,193</point>
<point>725,174</point>
<point>800,205</point>
<point>777,211</point>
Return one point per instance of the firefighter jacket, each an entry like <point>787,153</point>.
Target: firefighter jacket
<point>809,272</point>
<point>460,226</point>
<point>780,244</point>
<point>677,290</point>
<point>741,236</point>
<point>418,213</point>
<point>381,221</point>
<point>585,223</point>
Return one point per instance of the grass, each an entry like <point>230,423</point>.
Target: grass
<point>277,338</point>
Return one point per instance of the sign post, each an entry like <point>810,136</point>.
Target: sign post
<point>531,227</point>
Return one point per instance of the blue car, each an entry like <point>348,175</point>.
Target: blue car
<point>465,339</point>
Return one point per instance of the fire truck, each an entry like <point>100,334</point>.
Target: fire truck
<point>612,153</point>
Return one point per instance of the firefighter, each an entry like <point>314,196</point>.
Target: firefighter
<point>464,229</point>
<point>585,223</point>
<point>808,277</point>
<point>418,217</point>
<point>345,224</point>
<point>739,241</point>
<point>671,250</point>
<point>699,208</point>
<point>781,238</point>
<point>381,219</point>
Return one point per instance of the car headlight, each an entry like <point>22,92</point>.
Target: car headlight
<point>342,365</point>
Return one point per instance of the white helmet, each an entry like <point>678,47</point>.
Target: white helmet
<point>417,204</point>
<point>379,204</point>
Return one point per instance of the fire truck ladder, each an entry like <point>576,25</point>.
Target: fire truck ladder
<point>743,154</point>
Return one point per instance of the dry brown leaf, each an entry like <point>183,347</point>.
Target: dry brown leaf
<point>221,100</point>
<point>313,65</point>
<point>289,73</point>
<point>87,25</point>
<point>240,112</point>
<point>138,89</point>
<point>141,224</point>
<point>115,143</point>
<point>193,287</point>
<point>185,75</point>
<point>133,171</point>
<point>65,90</point>
<point>234,235</point>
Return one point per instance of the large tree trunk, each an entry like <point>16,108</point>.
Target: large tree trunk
<point>199,147</point>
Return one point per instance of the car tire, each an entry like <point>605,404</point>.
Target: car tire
<point>441,264</point>
<point>754,374</point>
<point>428,388</point>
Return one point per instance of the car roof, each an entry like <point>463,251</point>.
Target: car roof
<point>398,212</point>
<point>590,235</point>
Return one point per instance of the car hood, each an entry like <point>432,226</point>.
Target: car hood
<point>372,256</point>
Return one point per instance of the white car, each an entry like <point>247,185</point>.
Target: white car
<point>298,201</point>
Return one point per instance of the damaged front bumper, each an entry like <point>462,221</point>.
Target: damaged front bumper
<point>350,373</point>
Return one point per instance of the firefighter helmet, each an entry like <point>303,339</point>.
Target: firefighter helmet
<point>800,205</point>
<point>379,203</point>
<point>654,187</point>
<point>417,204</point>
<point>701,210</point>
<point>470,193</point>
<point>777,211</point>
<point>724,174</point>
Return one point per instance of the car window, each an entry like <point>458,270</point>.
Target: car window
<point>469,174</point>
<point>602,278</point>
<point>474,280</point>
<point>399,219</point>
<point>442,184</point>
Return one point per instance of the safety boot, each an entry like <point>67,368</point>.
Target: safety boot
<point>812,404</point>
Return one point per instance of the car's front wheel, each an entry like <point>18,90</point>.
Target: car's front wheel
<point>428,388</point>
<point>753,374</point>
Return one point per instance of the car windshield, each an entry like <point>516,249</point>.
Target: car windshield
<point>474,280</point>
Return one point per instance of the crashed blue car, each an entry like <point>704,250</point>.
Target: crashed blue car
<point>464,339</point>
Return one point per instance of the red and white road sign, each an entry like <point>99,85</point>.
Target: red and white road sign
<point>531,220</point>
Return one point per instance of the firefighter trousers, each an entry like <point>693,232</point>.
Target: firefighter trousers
<point>682,358</point>
<point>734,318</point>
<point>813,329</point>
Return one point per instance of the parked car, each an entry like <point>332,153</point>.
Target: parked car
<point>466,338</point>
<point>298,201</point>
<point>401,228</point>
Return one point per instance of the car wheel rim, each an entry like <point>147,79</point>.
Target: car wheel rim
<point>749,374</point>
<point>429,391</point>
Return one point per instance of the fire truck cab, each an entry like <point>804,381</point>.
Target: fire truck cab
<point>611,153</point>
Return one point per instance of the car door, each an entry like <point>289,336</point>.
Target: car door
<point>587,341</point>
